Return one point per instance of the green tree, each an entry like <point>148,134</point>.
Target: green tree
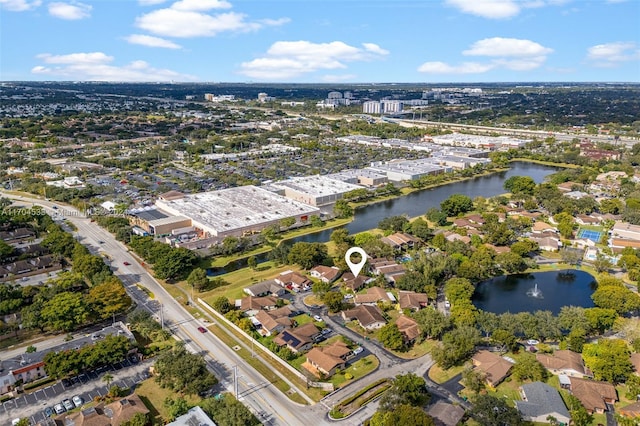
<point>408,389</point>
<point>108,298</point>
<point>198,279</point>
<point>391,337</point>
<point>608,359</point>
<point>492,411</point>
<point>505,338</point>
<point>457,346</point>
<point>456,204</point>
<point>65,311</point>
<point>402,415</point>
<point>176,407</point>
<point>436,216</point>
<point>340,236</point>
<point>520,185</point>
<point>342,209</point>
<point>308,255</point>
<point>227,411</point>
<point>183,372</point>
<point>473,379</point>
<point>620,299</point>
<point>222,304</point>
<point>420,228</point>
<point>528,368</point>
<point>393,223</point>
<point>458,289</point>
<point>139,419</point>
<point>334,301</point>
<point>579,415</point>
<point>320,288</point>
<point>431,322</point>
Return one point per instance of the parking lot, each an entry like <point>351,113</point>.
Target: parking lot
<point>88,386</point>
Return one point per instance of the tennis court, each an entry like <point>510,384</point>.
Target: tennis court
<point>590,234</point>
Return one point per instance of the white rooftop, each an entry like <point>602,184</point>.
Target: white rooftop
<point>234,208</point>
<point>317,186</point>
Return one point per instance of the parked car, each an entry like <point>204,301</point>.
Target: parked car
<point>317,318</point>
<point>59,408</point>
<point>202,329</point>
<point>126,263</point>
<point>358,350</point>
<point>48,412</point>
<point>66,383</point>
<point>77,401</point>
<point>532,342</point>
<point>68,404</point>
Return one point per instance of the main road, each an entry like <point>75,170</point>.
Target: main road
<point>271,406</point>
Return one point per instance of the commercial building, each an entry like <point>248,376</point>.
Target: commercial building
<point>235,211</point>
<point>398,171</point>
<point>315,190</point>
<point>364,177</point>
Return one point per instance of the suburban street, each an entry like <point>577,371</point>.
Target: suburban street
<point>264,399</point>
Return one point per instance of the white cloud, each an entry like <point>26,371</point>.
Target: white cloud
<point>492,9</point>
<point>511,47</point>
<point>465,68</point>
<point>96,66</point>
<point>290,59</point>
<point>150,41</point>
<point>19,5</point>
<point>507,53</point>
<point>150,2</point>
<point>613,54</point>
<point>500,9</point>
<point>200,5</point>
<point>185,23</point>
<point>70,11</point>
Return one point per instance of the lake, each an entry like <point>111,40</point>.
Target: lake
<point>415,204</point>
<point>516,293</point>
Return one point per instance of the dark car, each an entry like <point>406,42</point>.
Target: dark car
<point>126,263</point>
<point>202,329</point>
<point>66,383</point>
<point>48,412</point>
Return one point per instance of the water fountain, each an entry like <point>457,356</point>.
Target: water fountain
<point>534,292</point>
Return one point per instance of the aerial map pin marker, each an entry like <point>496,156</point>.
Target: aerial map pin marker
<point>355,267</point>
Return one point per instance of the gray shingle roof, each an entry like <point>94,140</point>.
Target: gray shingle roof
<point>541,399</point>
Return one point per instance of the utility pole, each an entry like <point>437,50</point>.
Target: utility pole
<point>162,316</point>
<point>235,381</point>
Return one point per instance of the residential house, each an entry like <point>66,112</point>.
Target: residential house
<point>400,241</point>
<point>493,366</point>
<point>116,413</point>
<point>17,234</point>
<point>412,300</point>
<point>355,283</point>
<point>265,288</point>
<point>298,339</point>
<point>594,395</point>
<point>445,414</point>
<point>498,249</point>
<point>564,362</point>
<point>409,329</point>
<point>567,186</point>
<point>542,227</point>
<point>618,244</point>
<point>294,281</point>
<point>325,274</point>
<point>273,322</point>
<point>464,223</point>
<point>194,417</point>
<point>541,401</point>
<point>626,230</point>
<point>631,411</point>
<point>389,268</point>
<point>372,296</point>
<point>369,317</point>
<point>583,219</point>
<point>452,236</point>
<point>252,305</point>
<point>476,218</point>
<point>547,243</point>
<point>328,359</point>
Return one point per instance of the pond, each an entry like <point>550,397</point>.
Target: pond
<point>546,291</point>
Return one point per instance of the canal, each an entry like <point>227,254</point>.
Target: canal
<point>415,204</point>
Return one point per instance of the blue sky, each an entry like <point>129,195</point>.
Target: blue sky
<point>321,41</point>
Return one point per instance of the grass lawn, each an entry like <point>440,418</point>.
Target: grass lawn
<point>440,376</point>
<point>313,300</point>
<point>358,369</point>
<point>242,278</point>
<point>417,350</point>
<point>220,261</point>
<point>508,390</point>
<point>302,319</point>
<point>153,397</point>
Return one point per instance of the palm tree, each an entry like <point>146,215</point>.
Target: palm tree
<point>107,378</point>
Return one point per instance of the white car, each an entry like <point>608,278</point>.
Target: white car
<point>532,342</point>
<point>78,401</point>
<point>317,318</point>
<point>59,408</point>
<point>358,350</point>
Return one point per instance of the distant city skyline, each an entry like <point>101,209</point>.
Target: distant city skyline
<point>321,41</point>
